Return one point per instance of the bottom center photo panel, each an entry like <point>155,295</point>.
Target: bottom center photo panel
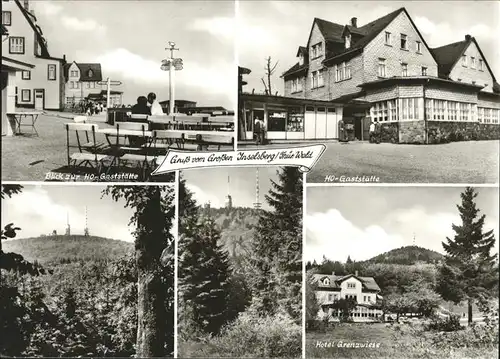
<point>240,263</point>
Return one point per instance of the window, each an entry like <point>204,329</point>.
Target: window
<point>487,117</point>
<point>51,72</point>
<point>342,71</point>
<point>464,111</point>
<point>464,60</point>
<point>296,85</point>
<point>90,73</point>
<point>348,41</point>
<point>26,75</point>
<point>381,68</point>
<point>452,111</point>
<point>393,110</point>
<point>404,70</point>
<point>388,38</point>
<point>404,42</point>
<point>419,47</point>
<point>87,85</point>
<point>16,45</point>
<point>25,95</point>
<point>494,117</point>
<point>326,281</point>
<point>480,114</point>
<point>314,79</point>
<point>317,50</point>
<point>438,110</point>
<point>74,73</point>
<point>6,18</point>
<point>409,109</point>
<point>330,297</point>
<point>472,62</point>
<point>295,122</point>
<point>320,79</point>
<point>480,65</point>
<point>424,71</point>
<point>351,285</point>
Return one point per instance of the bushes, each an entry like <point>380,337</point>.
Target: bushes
<point>450,324</point>
<point>264,337</point>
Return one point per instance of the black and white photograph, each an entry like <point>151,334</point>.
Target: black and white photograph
<point>399,91</point>
<point>87,271</point>
<point>412,273</point>
<point>100,90</point>
<point>240,263</point>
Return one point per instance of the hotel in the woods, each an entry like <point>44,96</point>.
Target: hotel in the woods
<point>381,71</point>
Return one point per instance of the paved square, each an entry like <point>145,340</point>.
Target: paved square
<point>474,162</point>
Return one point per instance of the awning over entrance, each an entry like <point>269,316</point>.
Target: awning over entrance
<point>15,65</point>
<point>282,100</point>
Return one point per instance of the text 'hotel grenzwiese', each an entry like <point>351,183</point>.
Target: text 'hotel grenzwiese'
<point>381,71</point>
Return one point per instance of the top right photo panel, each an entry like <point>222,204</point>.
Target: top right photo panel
<point>398,92</point>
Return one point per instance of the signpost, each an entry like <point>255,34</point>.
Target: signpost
<point>170,65</point>
<point>108,84</point>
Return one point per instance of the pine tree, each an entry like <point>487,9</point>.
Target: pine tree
<point>277,248</point>
<point>203,275</point>
<point>470,270</point>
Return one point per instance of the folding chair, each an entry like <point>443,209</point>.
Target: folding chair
<point>140,145</point>
<point>88,153</point>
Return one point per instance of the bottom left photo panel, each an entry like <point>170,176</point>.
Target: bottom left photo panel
<point>87,271</point>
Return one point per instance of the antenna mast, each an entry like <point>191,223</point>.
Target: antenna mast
<point>86,229</point>
<point>257,204</point>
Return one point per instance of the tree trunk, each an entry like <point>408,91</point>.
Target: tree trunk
<point>469,310</point>
<point>151,319</point>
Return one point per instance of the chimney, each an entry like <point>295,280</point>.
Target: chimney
<point>356,273</point>
<point>27,5</point>
<point>64,57</point>
<point>467,37</point>
<point>333,274</point>
<point>354,22</point>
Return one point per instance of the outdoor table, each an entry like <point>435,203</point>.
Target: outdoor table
<point>18,117</point>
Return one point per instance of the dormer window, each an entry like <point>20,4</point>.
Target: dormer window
<point>301,59</point>
<point>326,281</point>
<point>90,73</point>
<point>348,41</point>
<point>317,50</point>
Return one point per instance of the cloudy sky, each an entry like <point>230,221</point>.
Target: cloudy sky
<point>40,209</point>
<point>211,184</point>
<point>366,221</point>
<point>129,38</point>
<point>278,28</point>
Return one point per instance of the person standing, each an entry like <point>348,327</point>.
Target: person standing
<point>372,132</point>
<point>156,109</point>
<point>377,132</point>
<point>257,129</point>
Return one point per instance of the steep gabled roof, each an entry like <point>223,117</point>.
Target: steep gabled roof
<point>302,49</point>
<point>335,281</point>
<point>295,69</point>
<point>329,30</point>
<point>84,71</point>
<point>38,32</point>
<point>448,56</point>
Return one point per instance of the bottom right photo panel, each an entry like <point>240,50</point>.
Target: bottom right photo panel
<point>402,272</point>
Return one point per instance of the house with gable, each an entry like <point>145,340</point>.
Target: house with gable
<point>39,80</point>
<point>364,290</point>
<point>384,71</point>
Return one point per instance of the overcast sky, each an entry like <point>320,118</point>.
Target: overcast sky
<point>278,28</point>
<point>366,221</point>
<point>211,184</point>
<point>40,209</point>
<point>129,38</point>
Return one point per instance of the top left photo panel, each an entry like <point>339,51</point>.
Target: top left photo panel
<point>101,90</point>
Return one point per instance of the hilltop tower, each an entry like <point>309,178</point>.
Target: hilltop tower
<point>68,227</point>
<point>229,199</point>
<point>86,229</point>
<point>257,204</point>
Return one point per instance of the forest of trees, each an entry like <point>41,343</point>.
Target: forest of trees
<point>108,306</point>
<point>247,303</point>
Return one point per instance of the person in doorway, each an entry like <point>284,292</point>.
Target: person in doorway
<point>377,132</point>
<point>257,129</point>
<point>372,132</point>
<point>156,109</point>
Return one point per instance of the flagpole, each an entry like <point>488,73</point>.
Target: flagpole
<point>108,93</point>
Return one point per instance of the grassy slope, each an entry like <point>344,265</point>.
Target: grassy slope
<point>52,249</point>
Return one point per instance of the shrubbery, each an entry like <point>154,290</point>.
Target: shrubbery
<point>450,324</point>
<point>262,337</point>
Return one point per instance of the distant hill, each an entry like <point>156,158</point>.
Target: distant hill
<point>62,248</point>
<point>408,255</point>
<point>237,225</point>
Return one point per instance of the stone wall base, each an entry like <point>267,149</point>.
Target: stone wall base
<point>450,131</point>
<point>412,131</point>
